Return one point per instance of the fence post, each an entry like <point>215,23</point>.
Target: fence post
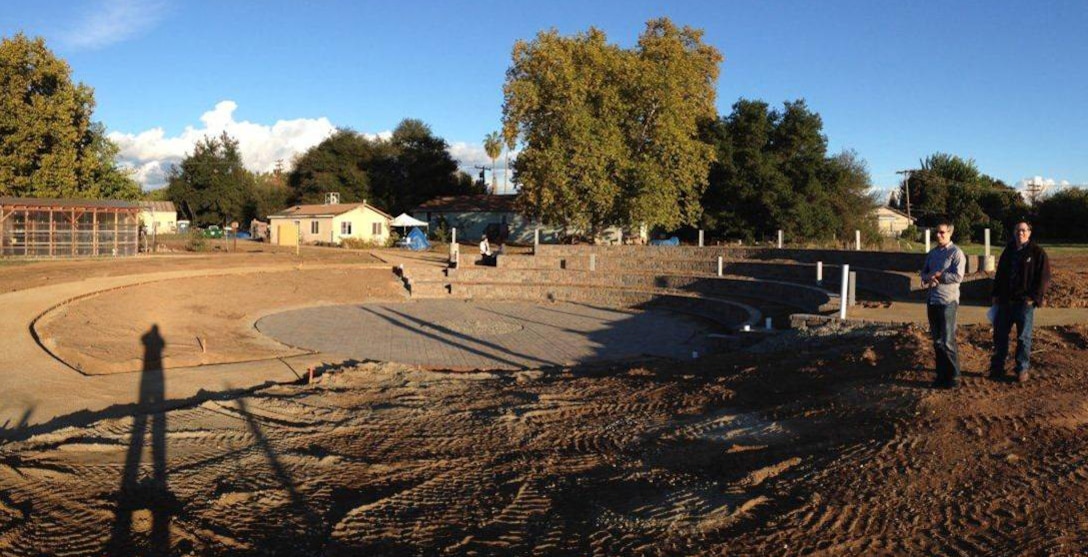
<point>857,240</point>
<point>780,239</point>
<point>700,238</point>
<point>536,240</point>
<point>720,265</point>
<point>927,240</point>
<point>844,295</point>
<point>819,272</point>
<point>853,292</point>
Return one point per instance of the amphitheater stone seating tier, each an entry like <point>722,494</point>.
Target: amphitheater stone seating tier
<point>890,284</point>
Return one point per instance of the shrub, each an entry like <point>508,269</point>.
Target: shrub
<point>359,243</point>
<point>196,241</point>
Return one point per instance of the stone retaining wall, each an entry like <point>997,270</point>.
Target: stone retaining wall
<point>887,261</point>
<point>802,297</point>
<point>886,283</point>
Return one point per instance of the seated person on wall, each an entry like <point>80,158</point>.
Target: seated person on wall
<point>486,255</point>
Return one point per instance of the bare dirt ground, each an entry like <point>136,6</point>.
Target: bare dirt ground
<point>1069,285</point>
<point>19,274</point>
<point>825,444</point>
<point>817,444</point>
<point>204,320</point>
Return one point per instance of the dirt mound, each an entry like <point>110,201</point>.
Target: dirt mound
<point>826,444</point>
<point>1069,283</point>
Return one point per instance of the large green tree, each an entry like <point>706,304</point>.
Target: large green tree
<point>49,144</point>
<point>952,187</point>
<point>395,174</point>
<point>1062,216</point>
<point>611,135</point>
<point>773,172</point>
<point>211,186</point>
<point>337,164</point>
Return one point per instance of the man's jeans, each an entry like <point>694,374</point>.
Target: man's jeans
<point>942,329</point>
<point>1021,314</point>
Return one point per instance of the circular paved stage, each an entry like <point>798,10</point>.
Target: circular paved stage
<point>454,334</point>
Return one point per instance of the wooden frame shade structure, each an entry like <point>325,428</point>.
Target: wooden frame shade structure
<point>68,228</point>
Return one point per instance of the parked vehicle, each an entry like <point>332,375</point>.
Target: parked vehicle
<point>213,231</point>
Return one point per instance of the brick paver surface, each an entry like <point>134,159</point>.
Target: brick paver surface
<point>454,334</point>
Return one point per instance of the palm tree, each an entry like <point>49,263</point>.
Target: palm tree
<point>493,147</point>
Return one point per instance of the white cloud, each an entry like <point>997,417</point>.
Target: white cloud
<point>1045,182</point>
<point>112,21</point>
<point>1046,185</point>
<point>151,153</point>
<point>471,155</point>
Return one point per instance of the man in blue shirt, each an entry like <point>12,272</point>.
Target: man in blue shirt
<point>942,274</point>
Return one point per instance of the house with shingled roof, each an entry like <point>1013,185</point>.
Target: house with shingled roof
<point>329,223</point>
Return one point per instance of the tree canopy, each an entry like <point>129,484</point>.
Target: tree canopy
<point>49,144</point>
<point>1062,216</point>
<point>211,186</point>
<point>773,172</point>
<point>493,148</point>
<point>611,135</point>
<point>948,186</point>
<point>396,174</point>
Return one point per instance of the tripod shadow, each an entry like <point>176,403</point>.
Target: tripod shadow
<point>139,495</point>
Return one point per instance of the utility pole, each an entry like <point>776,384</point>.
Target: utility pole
<point>906,185</point>
<point>1035,190</point>
<point>483,177</point>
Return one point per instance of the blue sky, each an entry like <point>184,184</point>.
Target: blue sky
<point>1005,83</point>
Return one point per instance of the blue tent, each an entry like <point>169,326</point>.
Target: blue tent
<point>417,240</point>
<point>674,241</point>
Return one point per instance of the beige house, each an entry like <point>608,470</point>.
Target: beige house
<point>159,217</point>
<point>330,223</point>
<point>892,222</point>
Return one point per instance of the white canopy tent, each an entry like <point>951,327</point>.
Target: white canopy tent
<point>404,220</point>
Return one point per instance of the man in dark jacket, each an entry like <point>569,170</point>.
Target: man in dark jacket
<point>1023,273</point>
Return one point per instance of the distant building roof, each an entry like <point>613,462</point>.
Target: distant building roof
<point>481,203</point>
<point>160,206</point>
<point>324,210</point>
<point>34,202</point>
<point>896,211</point>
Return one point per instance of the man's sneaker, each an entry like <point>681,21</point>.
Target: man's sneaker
<point>1022,376</point>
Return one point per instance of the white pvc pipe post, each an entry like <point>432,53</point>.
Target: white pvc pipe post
<point>987,244</point>
<point>769,327</point>
<point>720,265</point>
<point>592,262</point>
<point>780,239</point>
<point>857,240</point>
<point>843,295</point>
<point>700,238</point>
<point>536,240</point>
<point>819,272</point>
<point>927,240</point>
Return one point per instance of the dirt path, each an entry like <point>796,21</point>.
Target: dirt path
<point>38,389</point>
<point>202,320</point>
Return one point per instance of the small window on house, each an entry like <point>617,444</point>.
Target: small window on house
<point>376,229</point>
<point>345,228</point>
<point>315,227</point>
